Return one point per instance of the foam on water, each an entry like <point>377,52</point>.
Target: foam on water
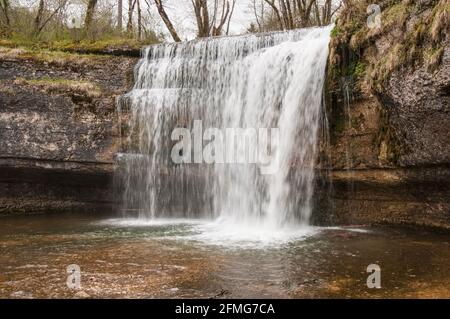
<point>220,232</point>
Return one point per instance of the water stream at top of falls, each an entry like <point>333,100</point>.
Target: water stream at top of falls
<point>270,81</point>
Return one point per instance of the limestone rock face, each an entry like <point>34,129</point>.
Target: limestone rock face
<point>58,129</point>
<point>389,117</point>
<point>418,102</point>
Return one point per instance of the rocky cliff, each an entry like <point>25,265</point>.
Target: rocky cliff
<point>388,101</point>
<point>58,129</point>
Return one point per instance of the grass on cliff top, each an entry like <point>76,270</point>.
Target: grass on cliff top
<point>57,58</point>
<point>65,52</point>
<point>81,46</point>
<point>59,85</point>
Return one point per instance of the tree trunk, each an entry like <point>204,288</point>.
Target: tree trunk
<point>231,14</point>
<point>255,11</point>
<point>290,16</point>
<point>198,16</point>
<point>38,18</point>
<point>166,20</point>
<point>4,5</point>
<point>202,17</point>
<point>224,17</point>
<point>284,14</point>
<point>131,5</point>
<point>327,12</point>
<point>119,15</point>
<point>89,14</point>
<point>205,16</point>
<point>317,14</point>
<point>139,20</point>
<point>39,24</point>
<point>271,3</point>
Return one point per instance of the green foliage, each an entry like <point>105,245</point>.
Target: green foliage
<point>335,32</point>
<point>359,69</point>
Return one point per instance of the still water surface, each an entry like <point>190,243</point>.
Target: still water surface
<point>124,258</point>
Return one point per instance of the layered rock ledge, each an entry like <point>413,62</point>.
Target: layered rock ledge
<point>58,129</point>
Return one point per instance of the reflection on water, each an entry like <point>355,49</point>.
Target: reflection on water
<point>173,259</point>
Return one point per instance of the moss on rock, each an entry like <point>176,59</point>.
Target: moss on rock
<point>412,36</point>
<point>413,41</point>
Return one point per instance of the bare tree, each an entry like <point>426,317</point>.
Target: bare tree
<point>276,11</point>
<point>231,14</point>
<point>131,5</point>
<point>202,17</point>
<point>305,8</point>
<point>207,26</point>
<point>327,12</point>
<point>213,17</point>
<point>256,13</point>
<point>166,20</point>
<point>259,11</point>
<point>139,19</point>
<point>216,30</point>
<point>39,14</point>
<point>39,21</point>
<point>119,15</point>
<point>291,14</point>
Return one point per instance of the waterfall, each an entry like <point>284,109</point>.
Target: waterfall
<point>269,83</point>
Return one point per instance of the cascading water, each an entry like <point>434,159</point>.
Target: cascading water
<point>266,81</point>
